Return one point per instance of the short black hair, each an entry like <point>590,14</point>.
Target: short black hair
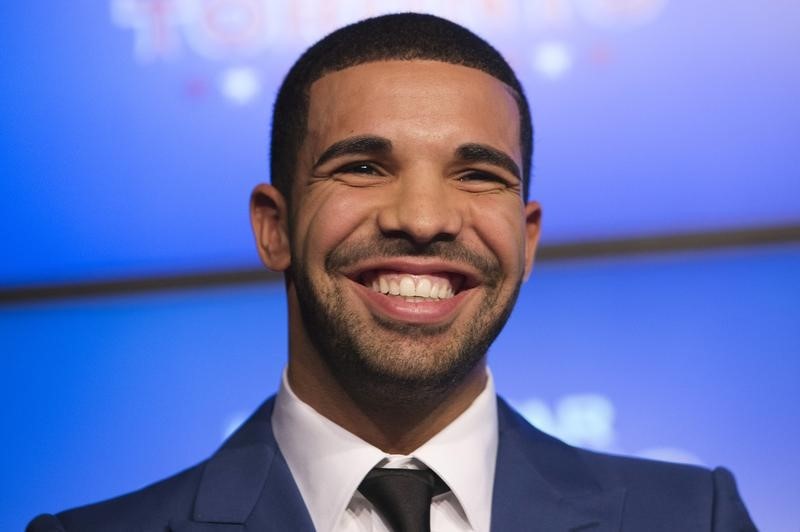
<point>401,36</point>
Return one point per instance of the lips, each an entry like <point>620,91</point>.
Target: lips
<point>413,291</point>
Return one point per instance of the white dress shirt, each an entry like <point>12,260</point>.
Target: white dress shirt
<point>328,463</point>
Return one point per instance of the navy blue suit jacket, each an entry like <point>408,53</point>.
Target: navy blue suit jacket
<point>541,484</point>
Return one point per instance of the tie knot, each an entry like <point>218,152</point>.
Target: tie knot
<point>403,496</point>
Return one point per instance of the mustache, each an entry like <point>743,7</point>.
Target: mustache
<point>452,251</point>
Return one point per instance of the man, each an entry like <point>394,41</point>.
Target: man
<point>401,155</point>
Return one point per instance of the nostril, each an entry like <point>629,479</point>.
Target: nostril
<point>419,242</point>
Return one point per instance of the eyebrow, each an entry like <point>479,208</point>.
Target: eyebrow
<point>358,145</point>
<point>481,153</point>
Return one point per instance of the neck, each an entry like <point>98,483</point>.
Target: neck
<point>396,425</point>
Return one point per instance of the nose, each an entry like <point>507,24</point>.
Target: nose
<point>422,209</point>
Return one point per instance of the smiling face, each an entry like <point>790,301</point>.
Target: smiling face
<point>409,235</point>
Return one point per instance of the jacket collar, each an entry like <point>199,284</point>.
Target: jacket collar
<point>542,484</point>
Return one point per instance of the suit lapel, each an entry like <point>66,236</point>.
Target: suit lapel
<point>247,485</point>
<point>542,484</point>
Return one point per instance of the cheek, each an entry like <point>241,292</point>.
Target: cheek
<point>500,227</point>
<point>325,219</point>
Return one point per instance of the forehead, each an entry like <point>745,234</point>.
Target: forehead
<point>413,101</point>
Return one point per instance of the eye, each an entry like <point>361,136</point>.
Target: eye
<point>483,181</point>
<point>360,174</point>
<point>482,176</point>
<point>363,168</point>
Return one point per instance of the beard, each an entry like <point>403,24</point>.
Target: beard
<point>379,358</point>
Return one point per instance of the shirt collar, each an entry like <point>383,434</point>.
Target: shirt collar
<point>328,462</point>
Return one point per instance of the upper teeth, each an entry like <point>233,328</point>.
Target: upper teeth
<point>406,285</point>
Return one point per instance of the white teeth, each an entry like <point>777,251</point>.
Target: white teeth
<point>407,286</point>
<point>394,287</point>
<point>413,287</point>
<point>424,287</point>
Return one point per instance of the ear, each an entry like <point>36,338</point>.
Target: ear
<point>533,227</point>
<point>269,218</point>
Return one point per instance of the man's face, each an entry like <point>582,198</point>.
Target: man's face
<point>409,234</point>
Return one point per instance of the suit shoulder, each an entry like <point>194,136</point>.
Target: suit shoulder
<point>658,488</point>
<point>149,508</point>
<point>632,471</point>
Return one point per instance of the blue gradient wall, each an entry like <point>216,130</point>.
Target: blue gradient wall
<point>132,136</point>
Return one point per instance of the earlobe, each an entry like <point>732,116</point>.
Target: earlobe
<point>269,219</point>
<point>533,226</point>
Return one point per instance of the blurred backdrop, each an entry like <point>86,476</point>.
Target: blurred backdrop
<point>663,319</point>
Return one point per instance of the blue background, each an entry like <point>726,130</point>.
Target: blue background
<point>119,160</point>
<point>115,165</point>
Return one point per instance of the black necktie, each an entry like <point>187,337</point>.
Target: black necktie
<point>403,496</point>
